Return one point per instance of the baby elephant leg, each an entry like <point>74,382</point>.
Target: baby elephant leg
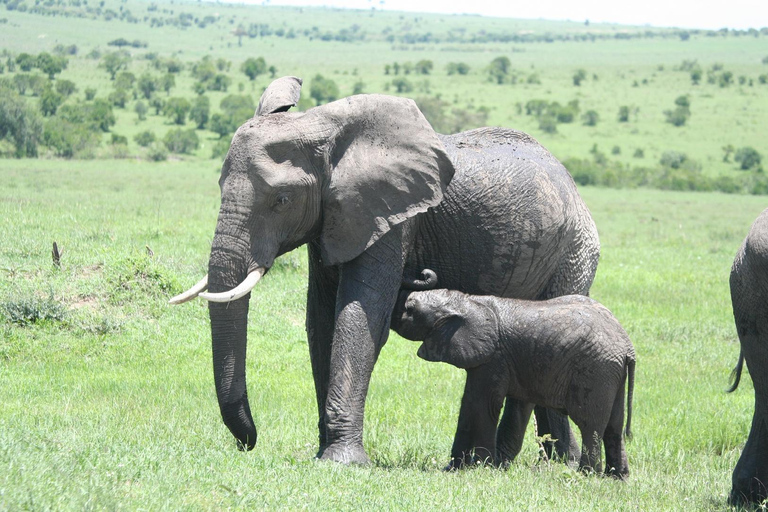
<point>615,454</point>
<point>591,450</point>
<point>475,440</point>
<point>511,431</point>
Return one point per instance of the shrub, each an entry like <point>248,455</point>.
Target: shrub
<point>65,87</point>
<point>590,118</point>
<point>499,69</point>
<point>200,112</point>
<point>457,68</point>
<point>220,148</point>
<point>20,123</point>
<point>548,124</point>
<point>748,157</point>
<point>424,67</point>
<point>402,85</point>
<point>31,310</point>
<point>90,93</point>
<point>623,114</point>
<point>639,153</point>
<point>141,110</point>
<point>50,101</point>
<point>181,141</point>
<point>679,116</point>
<point>67,139</point>
<point>579,76</point>
<point>616,150</point>
<point>177,109</point>
<point>254,67</point>
<point>144,138</point>
<point>118,139</point>
<point>323,90</point>
<point>157,152</point>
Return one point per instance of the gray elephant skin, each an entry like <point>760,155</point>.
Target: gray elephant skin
<point>377,195</point>
<point>749,297</point>
<point>569,354</point>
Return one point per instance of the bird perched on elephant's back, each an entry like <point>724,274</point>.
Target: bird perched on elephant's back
<point>377,195</point>
<point>749,298</point>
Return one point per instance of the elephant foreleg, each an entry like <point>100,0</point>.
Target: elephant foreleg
<point>321,312</point>
<point>475,439</point>
<point>511,431</point>
<point>368,287</point>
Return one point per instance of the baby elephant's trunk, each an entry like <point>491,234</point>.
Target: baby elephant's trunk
<point>630,392</point>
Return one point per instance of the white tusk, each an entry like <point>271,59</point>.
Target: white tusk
<point>239,291</point>
<point>193,292</point>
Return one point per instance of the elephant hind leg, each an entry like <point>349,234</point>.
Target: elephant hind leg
<point>564,445</point>
<point>591,451</point>
<point>616,464</point>
<point>750,477</point>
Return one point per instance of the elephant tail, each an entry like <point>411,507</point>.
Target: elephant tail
<point>427,281</point>
<point>630,393</point>
<point>736,374</point>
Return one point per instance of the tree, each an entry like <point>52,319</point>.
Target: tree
<point>323,90</point>
<point>272,71</point>
<point>50,100</point>
<point>51,65</point>
<point>579,76</point>
<point>90,93</point>
<point>220,82</point>
<point>177,109</point>
<point>144,138</point>
<point>457,68</point>
<point>115,61</point>
<point>590,118</point>
<point>696,74</point>
<point>147,85</point>
<point>748,157</point>
<point>168,82</point>
<point>20,123</point>
<point>125,80</point>
<point>65,87</point>
<point>424,67</point>
<point>623,114</point>
<point>358,88</point>
<point>679,116</point>
<point>402,85</point>
<point>119,97</point>
<point>25,62</point>
<point>254,67</point>
<point>181,141</point>
<point>200,111</point>
<point>204,69</point>
<point>499,69</point>
<point>141,110</point>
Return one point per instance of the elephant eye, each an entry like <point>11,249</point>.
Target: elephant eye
<point>282,201</point>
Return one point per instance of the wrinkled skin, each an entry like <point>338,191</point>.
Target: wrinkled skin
<point>569,354</point>
<point>749,296</point>
<point>377,195</point>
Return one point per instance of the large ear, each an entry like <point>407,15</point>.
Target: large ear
<point>466,337</point>
<point>383,164</point>
<point>280,95</point>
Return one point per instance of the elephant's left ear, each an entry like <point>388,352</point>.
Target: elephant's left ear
<point>280,95</point>
<point>384,164</point>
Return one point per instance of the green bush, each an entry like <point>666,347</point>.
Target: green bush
<point>181,141</point>
<point>31,309</point>
<point>590,118</point>
<point>323,90</point>
<point>67,139</point>
<point>144,138</point>
<point>748,157</point>
<point>157,152</point>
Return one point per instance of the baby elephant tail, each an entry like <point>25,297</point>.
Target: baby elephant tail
<point>736,374</point>
<point>630,393</point>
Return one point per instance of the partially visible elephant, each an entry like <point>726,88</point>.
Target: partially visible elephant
<point>568,353</point>
<point>749,297</point>
<point>377,195</point>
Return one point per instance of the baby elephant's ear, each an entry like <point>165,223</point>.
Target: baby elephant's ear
<point>467,338</point>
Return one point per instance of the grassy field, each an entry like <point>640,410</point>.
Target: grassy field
<point>106,393</point>
<point>109,402</point>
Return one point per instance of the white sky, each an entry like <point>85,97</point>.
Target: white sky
<point>707,14</point>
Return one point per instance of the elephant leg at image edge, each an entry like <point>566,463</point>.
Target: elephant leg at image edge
<point>366,294</point>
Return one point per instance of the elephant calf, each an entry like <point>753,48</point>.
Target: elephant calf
<point>568,353</point>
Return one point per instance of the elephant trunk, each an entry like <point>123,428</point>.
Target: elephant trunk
<point>228,266</point>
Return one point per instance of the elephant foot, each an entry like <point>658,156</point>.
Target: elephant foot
<point>743,495</point>
<point>344,453</point>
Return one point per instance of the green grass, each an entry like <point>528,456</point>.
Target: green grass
<point>113,406</point>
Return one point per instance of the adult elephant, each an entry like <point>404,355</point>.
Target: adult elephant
<point>377,195</point>
<point>749,297</point>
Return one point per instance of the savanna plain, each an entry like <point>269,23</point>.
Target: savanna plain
<point>106,392</point>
